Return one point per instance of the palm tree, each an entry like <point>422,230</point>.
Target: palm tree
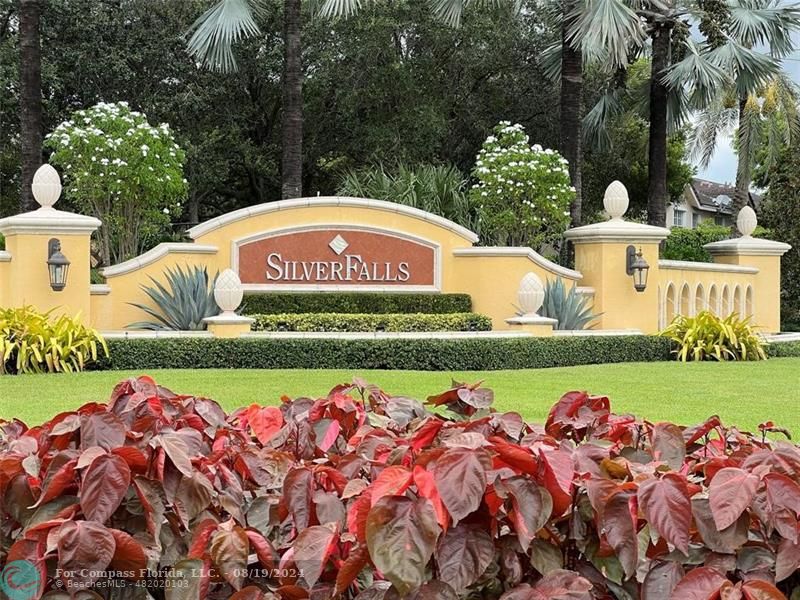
<point>766,119</point>
<point>689,74</point>
<point>30,97</point>
<point>229,21</point>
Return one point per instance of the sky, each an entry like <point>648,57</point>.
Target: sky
<point>722,167</point>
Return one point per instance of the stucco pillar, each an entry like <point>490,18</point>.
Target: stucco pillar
<point>765,255</point>
<point>26,279</point>
<point>601,254</point>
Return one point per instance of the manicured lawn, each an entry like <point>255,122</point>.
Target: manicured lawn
<point>741,393</point>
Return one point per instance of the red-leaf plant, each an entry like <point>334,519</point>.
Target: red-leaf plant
<point>364,495</point>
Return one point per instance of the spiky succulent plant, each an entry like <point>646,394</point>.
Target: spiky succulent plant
<point>181,304</point>
<point>572,309</point>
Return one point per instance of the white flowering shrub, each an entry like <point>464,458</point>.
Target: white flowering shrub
<point>119,168</point>
<point>522,192</point>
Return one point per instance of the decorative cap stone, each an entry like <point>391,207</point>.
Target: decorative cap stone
<point>46,186</point>
<point>228,291</point>
<point>530,294</point>
<point>616,200</point>
<point>746,221</point>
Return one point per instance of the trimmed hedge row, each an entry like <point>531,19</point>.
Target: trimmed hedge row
<point>355,302</point>
<point>341,322</point>
<point>415,354</point>
<point>783,349</point>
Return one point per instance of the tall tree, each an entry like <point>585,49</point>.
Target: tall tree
<point>571,114</point>
<point>229,21</point>
<point>686,74</point>
<point>30,97</point>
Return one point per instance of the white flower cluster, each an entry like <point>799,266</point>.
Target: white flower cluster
<point>111,151</point>
<point>520,185</point>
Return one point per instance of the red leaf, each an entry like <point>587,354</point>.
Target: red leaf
<point>228,550</point>
<point>265,421</point>
<point>702,583</point>
<point>392,481</point>
<point>331,432</point>
<point>136,460</point>
<point>668,508</point>
<point>515,456</point>
<point>57,482</point>
<point>264,551</point>
<point>532,506</point>
<point>312,549</point>
<point>668,445</point>
<point>200,538</point>
<point>297,492</point>
<point>351,568</point>
<point>251,592</point>
<point>558,475</point>
<point>463,554</point>
<point>757,589</point>
<point>426,433</point>
<point>556,585</point>
<point>85,549</point>
<point>620,530</point>
<point>129,554</point>
<point>788,559</point>
<point>357,516</point>
<point>460,475</point>
<point>105,484</point>
<point>661,579</point>
<point>730,493</point>
<point>426,487</point>
<point>401,534</point>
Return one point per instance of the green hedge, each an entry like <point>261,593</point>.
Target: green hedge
<point>779,349</point>
<point>354,302</point>
<point>338,322</point>
<point>416,354</point>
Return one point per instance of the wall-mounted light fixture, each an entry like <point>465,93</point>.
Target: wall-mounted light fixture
<point>57,265</point>
<point>636,266</point>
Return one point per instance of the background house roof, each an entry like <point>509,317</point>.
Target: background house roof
<point>717,197</point>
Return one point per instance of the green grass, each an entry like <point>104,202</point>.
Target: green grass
<point>740,393</point>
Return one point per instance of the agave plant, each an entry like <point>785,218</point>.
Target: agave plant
<point>182,304</point>
<point>569,307</point>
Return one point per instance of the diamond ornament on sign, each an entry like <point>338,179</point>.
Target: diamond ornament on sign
<point>338,244</point>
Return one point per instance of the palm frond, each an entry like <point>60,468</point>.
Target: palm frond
<point>605,29</point>
<point>698,73</point>
<point>550,61</point>
<point>749,68</point>
<point>719,118</point>
<point>767,23</point>
<point>216,30</point>
<point>337,8</point>
<point>451,11</point>
<point>595,121</point>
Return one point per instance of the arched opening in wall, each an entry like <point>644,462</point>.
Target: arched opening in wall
<point>725,306</point>
<point>669,305</point>
<point>748,301</point>
<point>685,301</point>
<point>737,300</point>
<point>713,300</point>
<point>699,299</point>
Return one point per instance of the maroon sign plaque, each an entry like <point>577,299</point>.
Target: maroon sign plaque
<point>337,257</point>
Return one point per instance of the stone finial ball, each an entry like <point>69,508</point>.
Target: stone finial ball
<point>746,221</point>
<point>530,294</point>
<point>615,200</point>
<point>228,291</point>
<point>46,186</point>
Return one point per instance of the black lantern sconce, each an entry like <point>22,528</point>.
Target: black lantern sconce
<point>636,266</point>
<point>57,265</point>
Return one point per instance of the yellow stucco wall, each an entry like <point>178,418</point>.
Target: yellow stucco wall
<point>491,276</point>
<point>492,281</point>
<point>25,279</point>
<point>603,267</point>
